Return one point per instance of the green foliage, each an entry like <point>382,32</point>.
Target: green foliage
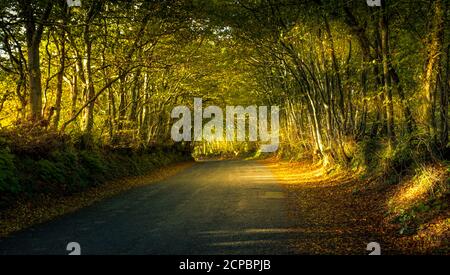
<point>375,156</point>
<point>76,175</point>
<point>8,177</point>
<point>366,155</point>
<point>405,219</point>
<point>410,219</point>
<point>94,163</point>
<point>399,158</point>
<point>69,170</point>
<point>49,171</point>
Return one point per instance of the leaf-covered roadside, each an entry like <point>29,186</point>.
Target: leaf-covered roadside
<point>342,213</point>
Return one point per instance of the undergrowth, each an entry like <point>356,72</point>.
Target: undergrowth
<point>410,175</point>
<point>30,167</point>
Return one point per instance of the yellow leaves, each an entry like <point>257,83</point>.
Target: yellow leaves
<point>329,207</point>
<point>304,173</point>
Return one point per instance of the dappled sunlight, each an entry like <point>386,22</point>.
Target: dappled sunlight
<point>434,234</point>
<point>275,231</point>
<point>321,240</point>
<point>419,206</point>
<point>305,173</point>
<point>258,179</point>
<point>427,180</point>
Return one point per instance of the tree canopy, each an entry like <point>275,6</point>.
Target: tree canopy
<point>341,70</point>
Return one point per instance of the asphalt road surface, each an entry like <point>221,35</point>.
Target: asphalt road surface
<point>213,207</point>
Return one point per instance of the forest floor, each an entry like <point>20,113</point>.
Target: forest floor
<point>351,212</point>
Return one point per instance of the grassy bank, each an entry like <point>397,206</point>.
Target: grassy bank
<point>68,171</point>
<point>46,174</point>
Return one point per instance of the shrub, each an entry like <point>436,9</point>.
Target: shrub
<point>67,170</point>
<point>8,174</point>
<point>93,162</point>
<point>366,155</point>
<point>50,172</point>
<point>76,176</point>
<point>401,157</point>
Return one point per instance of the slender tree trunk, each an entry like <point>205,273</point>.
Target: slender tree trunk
<point>60,78</point>
<point>387,78</point>
<point>317,125</point>
<point>134,97</point>
<point>433,60</point>
<point>33,32</point>
<point>360,33</point>
<point>86,76</point>
<point>88,122</point>
<point>74,87</point>
<point>122,105</point>
<point>111,113</point>
<point>337,76</point>
<point>34,74</point>
<point>444,101</point>
<point>146,110</point>
<point>404,103</point>
<point>379,84</point>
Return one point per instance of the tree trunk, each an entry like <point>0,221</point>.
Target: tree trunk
<point>60,78</point>
<point>34,74</point>
<point>387,78</point>
<point>88,122</point>
<point>433,60</point>
<point>134,97</point>
<point>33,32</point>
<point>444,102</point>
<point>404,103</point>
